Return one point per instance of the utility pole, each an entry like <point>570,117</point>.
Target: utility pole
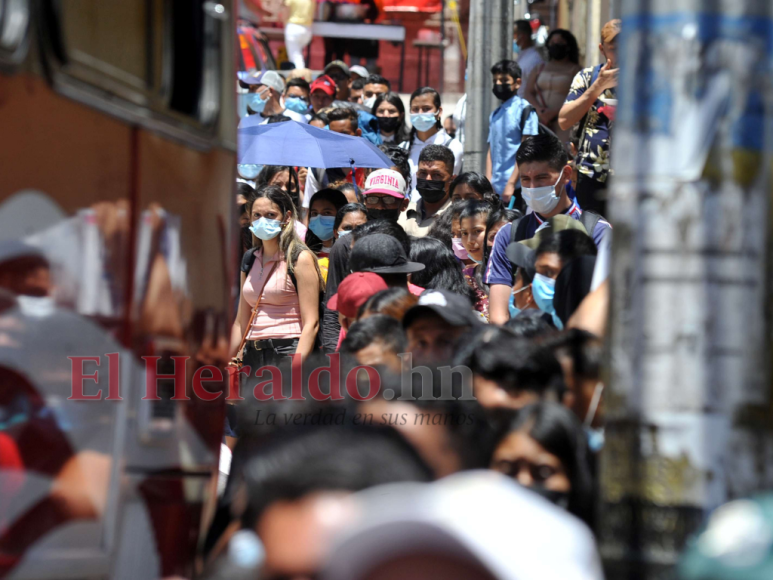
<point>689,413</point>
<point>490,40</point>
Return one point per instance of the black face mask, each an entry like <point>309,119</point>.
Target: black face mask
<point>388,124</point>
<point>504,92</point>
<point>431,191</point>
<point>384,214</point>
<point>558,51</point>
<point>559,498</point>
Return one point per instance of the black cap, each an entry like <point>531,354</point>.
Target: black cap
<point>522,256</point>
<point>454,308</point>
<point>381,254</point>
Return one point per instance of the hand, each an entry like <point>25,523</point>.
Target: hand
<point>303,172</point>
<point>607,78</point>
<point>545,116</point>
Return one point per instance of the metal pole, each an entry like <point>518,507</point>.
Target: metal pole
<point>490,40</point>
<point>689,409</point>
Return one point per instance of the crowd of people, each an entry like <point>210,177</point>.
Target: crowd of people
<point>446,321</point>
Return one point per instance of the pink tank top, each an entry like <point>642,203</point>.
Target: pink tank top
<point>279,313</point>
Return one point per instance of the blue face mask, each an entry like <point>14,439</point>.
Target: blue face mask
<point>266,229</point>
<point>249,170</point>
<point>297,105</point>
<point>342,233</point>
<point>255,103</point>
<point>514,310</point>
<point>543,289</point>
<point>424,121</point>
<point>516,48</point>
<point>322,226</point>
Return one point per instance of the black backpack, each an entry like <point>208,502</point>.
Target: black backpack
<point>588,219</point>
<point>542,129</point>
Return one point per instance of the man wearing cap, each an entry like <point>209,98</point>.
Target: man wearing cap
<point>384,195</point>
<point>358,72</point>
<point>591,102</point>
<point>433,179</point>
<point>385,256</point>
<point>339,72</point>
<point>435,324</point>
<point>265,97</point>
<point>323,92</point>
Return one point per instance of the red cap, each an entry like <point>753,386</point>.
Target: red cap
<point>325,84</point>
<point>354,291</point>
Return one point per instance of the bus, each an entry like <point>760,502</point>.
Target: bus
<point>117,269</point>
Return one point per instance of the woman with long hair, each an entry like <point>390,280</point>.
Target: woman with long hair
<point>282,274</point>
<point>544,448</point>
<point>549,83</point>
<point>426,115</point>
<point>472,231</point>
<point>390,112</point>
<point>442,271</point>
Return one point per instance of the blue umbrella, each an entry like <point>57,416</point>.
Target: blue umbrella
<point>299,144</point>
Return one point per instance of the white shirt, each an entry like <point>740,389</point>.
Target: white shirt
<point>439,138</point>
<point>528,60</point>
<point>460,113</point>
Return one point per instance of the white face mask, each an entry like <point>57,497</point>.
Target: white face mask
<point>369,102</point>
<point>544,199</point>
<point>36,306</point>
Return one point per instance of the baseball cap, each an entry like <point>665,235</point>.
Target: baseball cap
<point>337,64</point>
<point>454,308</point>
<point>387,181</point>
<point>359,70</point>
<point>522,256</point>
<point>408,518</point>
<point>610,30</point>
<point>324,84</point>
<point>354,291</point>
<point>555,224</point>
<point>268,78</point>
<point>382,254</point>
<point>737,543</point>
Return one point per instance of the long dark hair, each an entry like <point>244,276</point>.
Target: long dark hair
<point>559,432</point>
<point>270,171</point>
<point>573,53</point>
<point>442,270</point>
<point>480,184</point>
<point>402,132</point>
<point>473,208</point>
<point>435,101</point>
<point>347,209</point>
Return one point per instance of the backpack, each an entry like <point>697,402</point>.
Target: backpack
<point>541,129</point>
<point>249,259</point>
<point>588,219</point>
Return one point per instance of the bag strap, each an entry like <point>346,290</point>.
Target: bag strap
<point>514,229</point>
<point>255,310</point>
<point>590,220</point>
<point>525,116</point>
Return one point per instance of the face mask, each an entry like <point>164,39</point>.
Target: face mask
<point>36,306</point>
<point>266,229</point>
<point>431,191</point>
<point>424,121</point>
<point>369,102</point>
<point>322,226</point>
<point>459,250</point>
<point>249,170</point>
<point>596,439</point>
<point>255,103</point>
<point>503,92</point>
<point>514,310</point>
<point>516,48</point>
<point>558,51</point>
<point>384,214</point>
<point>297,105</point>
<point>543,200</point>
<point>388,124</point>
<point>559,498</point>
<point>543,290</point>
<point>342,233</point>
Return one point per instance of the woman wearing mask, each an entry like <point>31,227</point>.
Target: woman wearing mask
<point>323,207</point>
<point>472,235</point>
<point>427,129</point>
<point>544,448</point>
<point>549,83</point>
<point>279,274</point>
<point>349,217</point>
<point>390,112</point>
